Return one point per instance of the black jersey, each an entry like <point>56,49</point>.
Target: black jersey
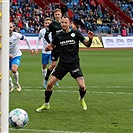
<point>68,43</point>
<point>54,27</point>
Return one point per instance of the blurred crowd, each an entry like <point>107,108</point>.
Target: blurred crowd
<point>126,6</point>
<point>28,17</point>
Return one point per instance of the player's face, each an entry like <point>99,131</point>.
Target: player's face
<point>46,23</point>
<point>65,24</point>
<point>11,28</point>
<point>58,16</point>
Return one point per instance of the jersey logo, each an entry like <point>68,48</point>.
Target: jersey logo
<point>22,38</point>
<point>73,35</point>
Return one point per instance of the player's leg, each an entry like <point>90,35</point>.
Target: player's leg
<point>46,58</point>
<point>53,67</point>
<point>44,70</point>
<point>15,73</point>
<point>50,69</point>
<point>44,63</point>
<point>48,93</point>
<point>55,54</point>
<point>11,85</point>
<point>76,73</point>
<point>58,74</point>
<point>82,91</point>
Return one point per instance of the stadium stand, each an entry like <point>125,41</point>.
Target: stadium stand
<point>28,15</point>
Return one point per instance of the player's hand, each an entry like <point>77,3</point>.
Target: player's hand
<point>90,34</point>
<point>31,52</point>
<point>36,51</point>
<point>10,56</point>
<point>48,47</point>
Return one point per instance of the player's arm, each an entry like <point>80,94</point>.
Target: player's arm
<point>38,42</point>
<point>28,44</point>
<point>47,35</point>
<point>52,45</point>
<point>88,42</point>
<point>49,47</point>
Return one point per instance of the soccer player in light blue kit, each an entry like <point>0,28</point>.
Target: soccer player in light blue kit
<point>46,56</point>
<point>15,56</point>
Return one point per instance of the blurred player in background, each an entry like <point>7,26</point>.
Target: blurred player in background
<point>54,28</point>
<point>68,43</point>
<point>15,56</point>
<point>46,55</point>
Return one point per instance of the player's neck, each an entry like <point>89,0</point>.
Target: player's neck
<point>67,30</point>
<point>58,21</point>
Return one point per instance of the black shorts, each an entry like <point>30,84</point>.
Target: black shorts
<point>62,69</point>
<point>55,54</point>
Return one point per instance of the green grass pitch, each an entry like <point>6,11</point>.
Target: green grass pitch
<point>108,76</point>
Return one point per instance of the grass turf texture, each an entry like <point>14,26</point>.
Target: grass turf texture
<point>108,77</point>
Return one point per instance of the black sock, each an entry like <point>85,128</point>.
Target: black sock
<point>82,93</point>
<point>47,75</point>
<point>47,96</point>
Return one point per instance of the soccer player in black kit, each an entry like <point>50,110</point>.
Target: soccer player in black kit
<point>68,42</point>
<point>54,28</point>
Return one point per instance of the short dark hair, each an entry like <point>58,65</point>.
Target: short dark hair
<point>66,17</point>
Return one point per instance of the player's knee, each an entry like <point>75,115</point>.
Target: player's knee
<point>49,86</point>
<point>83,88</point>
<point>44,66</point>
<point>14,70</point>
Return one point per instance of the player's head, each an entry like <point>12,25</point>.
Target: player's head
<point>57,14</point>
<point>11,27</point>
<point>65,23</point>
<point>47,21</point>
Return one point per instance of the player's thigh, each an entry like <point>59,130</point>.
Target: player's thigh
<point>75,71</point>
<point>60,71</point>
<point>15,63</point>
<point>55,54</point>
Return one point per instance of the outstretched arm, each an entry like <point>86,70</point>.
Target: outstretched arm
<point>37,44</point>
<point>87,42</point>
<point>28,44</point>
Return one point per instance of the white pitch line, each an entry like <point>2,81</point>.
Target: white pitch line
<point>38,88</point>
<point>108,87</point>
<point>50,131</point>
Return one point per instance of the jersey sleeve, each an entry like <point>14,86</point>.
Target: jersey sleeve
<point>50,28</point>
<point>20,36</point>
<point>47,34</point>
<point>54,41</point>
<point>40,35</point>
<point>80,36</point>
